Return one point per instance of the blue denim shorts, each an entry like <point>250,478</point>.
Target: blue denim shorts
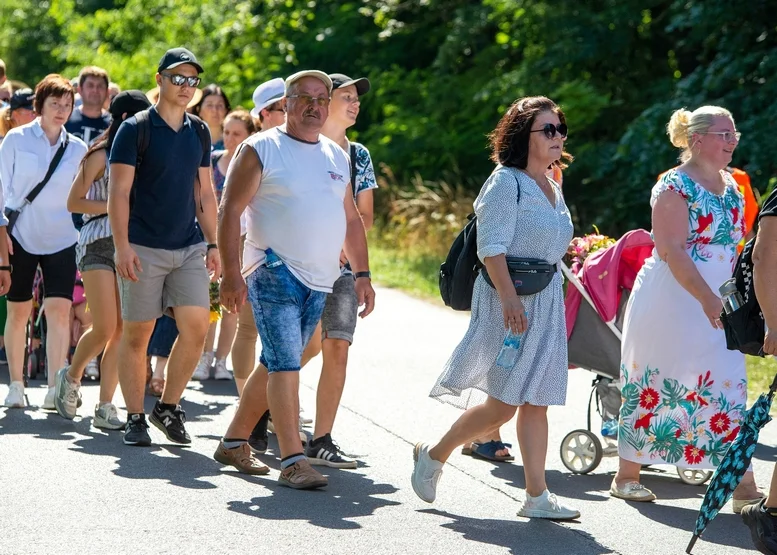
<point>286,313</point>
<point>165,334</point>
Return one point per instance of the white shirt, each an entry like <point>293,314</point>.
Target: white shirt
<point>299,209</point>
<point>45,226</point>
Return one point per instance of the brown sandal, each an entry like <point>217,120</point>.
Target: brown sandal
<point>156,386</point>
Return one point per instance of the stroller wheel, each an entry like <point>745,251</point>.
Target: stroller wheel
<point>694,477</point>
<point>581,451</point>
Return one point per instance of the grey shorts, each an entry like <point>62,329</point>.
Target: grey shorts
<point>169,278</point>
<point>98,255</point>
<point>341,310</point>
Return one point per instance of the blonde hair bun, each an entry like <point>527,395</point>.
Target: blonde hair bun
<point>677,128</point>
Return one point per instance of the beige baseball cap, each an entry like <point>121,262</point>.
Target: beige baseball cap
<point>320,75</point>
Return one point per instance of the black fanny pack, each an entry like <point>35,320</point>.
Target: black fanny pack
<point>529,275</point>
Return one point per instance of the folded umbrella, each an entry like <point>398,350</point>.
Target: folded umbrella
<point>735,463</point>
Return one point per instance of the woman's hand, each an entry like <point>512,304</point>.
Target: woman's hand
<point>514,314</point>
<point>712,306</point>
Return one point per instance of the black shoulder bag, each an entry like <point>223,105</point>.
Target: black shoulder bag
<point>13,215</point>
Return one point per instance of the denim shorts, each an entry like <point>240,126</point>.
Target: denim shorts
<point>165,334</point>
<point>286,313</point>
<point>340,311</point>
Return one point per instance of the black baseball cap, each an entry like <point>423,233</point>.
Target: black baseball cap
<point>128,102</point>
<point>339,81</point>
<point>177,57</point>
<point>22,99</point>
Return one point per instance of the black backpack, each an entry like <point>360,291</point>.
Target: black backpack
<point>745,327</point>
<point>461,267</point>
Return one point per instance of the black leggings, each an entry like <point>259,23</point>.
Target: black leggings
<point>59,273</point>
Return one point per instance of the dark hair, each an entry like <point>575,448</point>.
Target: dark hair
<point>206,92</point>
<point>52,85</point>
<point>93,71</point>
<point>273,106</point>
<point>510,140</point>
<point>106,138</point>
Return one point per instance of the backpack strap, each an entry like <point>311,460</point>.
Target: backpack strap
<point>353,169</point>
<point>204,134</point>
<point>143,140</point>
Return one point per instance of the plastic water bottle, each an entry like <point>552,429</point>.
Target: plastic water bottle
<point>271,260</point>
<point>508,355</point>
<point>610,428</point>
<point>732,298</point>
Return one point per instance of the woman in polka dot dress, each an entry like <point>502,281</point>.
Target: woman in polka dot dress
<point>528,139</point>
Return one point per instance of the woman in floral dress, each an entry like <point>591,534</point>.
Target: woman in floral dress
<point>683,392</point>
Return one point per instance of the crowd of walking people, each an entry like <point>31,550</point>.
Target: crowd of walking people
<point>143,199</point>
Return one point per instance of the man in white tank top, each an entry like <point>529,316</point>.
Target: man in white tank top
<point>294,183</point>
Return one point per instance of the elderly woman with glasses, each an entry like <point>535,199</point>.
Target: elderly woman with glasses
<point>521,214</point>
<point>683,392</point>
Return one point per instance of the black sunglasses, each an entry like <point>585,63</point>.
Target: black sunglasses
<point>550,130</point>
<point>178,80</point>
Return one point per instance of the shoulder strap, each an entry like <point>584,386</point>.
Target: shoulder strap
<point>353,168</point>
<point>144,136</point>
<point>52,167</point>
<point>202,132</point>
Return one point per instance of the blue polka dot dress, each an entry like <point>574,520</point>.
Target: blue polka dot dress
<point>531,228</point>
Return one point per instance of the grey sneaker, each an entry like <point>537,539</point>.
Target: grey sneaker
<point>66,395</point>
<point>426,473</point>
<point>107,417</point>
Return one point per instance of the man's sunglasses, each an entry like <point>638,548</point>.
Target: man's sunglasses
<point>178,80</point>
<point>550,130</point>
<point>308,100</point>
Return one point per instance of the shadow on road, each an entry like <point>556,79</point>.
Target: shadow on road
<point>520,536</point>
<point>348,496</point>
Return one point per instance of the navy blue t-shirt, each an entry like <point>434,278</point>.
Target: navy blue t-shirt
<point>86,128</point>
<point>163,211</point>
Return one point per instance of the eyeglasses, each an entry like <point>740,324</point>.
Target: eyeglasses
<point>550,130</point>
<point>728,136</point>
<point>308,100</point>
<point>178,80</point>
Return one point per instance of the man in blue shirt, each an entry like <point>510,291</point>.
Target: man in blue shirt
<point>89,119</point>
<point>159,248</point>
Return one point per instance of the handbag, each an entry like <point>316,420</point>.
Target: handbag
<point>529,275</point>
<point>13,214</point>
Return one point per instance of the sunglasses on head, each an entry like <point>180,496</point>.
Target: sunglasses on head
<point>550,130</point>
<point>178,80</point>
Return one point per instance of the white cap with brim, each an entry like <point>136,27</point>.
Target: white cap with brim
<point>320,75</point>
<point>266,94</point>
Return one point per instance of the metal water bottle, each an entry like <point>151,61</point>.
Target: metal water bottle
<point>732,298</point>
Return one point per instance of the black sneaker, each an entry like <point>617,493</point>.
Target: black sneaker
<point>257,441</point>
<point>136,431</point>
<point>763,527</point>
<point>170,423</point>
<point>325,452</point>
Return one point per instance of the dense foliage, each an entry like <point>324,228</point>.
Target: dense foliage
<point>444,70</point>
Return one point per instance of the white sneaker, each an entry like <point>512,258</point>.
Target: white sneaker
<point>107,417</point>
<point>67,396</point>
<point>304,420</point>
<point>221,372</point>
<point>92,370</point>
<point>48,401</point>
<point>546,505</point>
<point>15,398</point>
<point>202,372</point>
<point>426,473</point>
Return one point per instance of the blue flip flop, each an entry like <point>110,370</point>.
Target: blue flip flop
<point>487,451</point>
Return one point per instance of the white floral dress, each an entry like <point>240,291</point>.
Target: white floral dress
<point>683,392</point>
<point>531,228</point>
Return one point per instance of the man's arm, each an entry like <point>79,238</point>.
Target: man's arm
<point>241,185</point>
<point>764,271</point>
<point>355,248</point>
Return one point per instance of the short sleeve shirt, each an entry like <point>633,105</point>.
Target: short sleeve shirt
<point>85,128</point>
<point>365,173</point>
<point>769,207</point>
<point>166,188</point>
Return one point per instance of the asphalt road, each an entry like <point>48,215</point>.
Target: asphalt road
<point>66,487</point>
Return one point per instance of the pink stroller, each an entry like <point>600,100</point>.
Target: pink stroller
<point>595,308</point>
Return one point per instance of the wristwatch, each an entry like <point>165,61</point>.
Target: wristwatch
<point>212,246</point>
<point>366,274</point>
<point>8,268</point>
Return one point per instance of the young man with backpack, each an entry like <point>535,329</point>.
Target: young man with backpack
<point>761,518</point>
<point>160,182</point>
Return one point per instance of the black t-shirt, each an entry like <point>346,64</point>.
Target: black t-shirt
<point>163,212</point>
<point>769,207</point>
<point>86,128</point>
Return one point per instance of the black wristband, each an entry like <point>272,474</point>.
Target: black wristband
<point>8,268</point>
<point>358,275</point>
<point>212,246</point>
